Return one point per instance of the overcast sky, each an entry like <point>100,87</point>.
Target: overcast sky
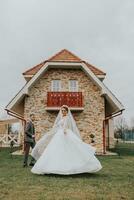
<point>99,31</point>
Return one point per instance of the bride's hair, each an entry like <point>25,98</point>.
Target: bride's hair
<point>70,121</point>
<point>65,107</point>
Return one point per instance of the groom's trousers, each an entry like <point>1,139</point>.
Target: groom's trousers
<point>27,146</point>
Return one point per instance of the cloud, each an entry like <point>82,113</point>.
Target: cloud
<point>100,32</point>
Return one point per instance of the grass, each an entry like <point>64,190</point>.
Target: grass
<point>114,182</point>
<point>124,149</point>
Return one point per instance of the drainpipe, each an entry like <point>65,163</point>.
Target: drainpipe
<point>16,115</point>
<point>104,132</point>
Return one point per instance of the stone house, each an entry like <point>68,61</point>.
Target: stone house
<point>66,79</point>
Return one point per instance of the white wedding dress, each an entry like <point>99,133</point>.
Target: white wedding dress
<point>63,152</point>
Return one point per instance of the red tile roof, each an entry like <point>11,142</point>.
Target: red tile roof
<point>34,69</point>
<point>63,56</point>
<point>94,69</point>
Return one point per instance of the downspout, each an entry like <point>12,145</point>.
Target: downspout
<point>13,114</point>
<point>104,132</point>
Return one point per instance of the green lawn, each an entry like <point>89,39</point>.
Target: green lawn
<point>114,181</point>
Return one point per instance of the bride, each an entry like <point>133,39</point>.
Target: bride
<point>62,151</point>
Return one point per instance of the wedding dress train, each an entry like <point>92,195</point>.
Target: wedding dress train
<point>63,152</point>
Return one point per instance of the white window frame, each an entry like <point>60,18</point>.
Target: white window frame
<point>70,87</point>
<point>53,88</point>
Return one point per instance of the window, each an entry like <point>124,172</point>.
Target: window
<point>73,85</point>
<point>56,85</point>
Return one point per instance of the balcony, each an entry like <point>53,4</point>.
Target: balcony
<point>56,99</point>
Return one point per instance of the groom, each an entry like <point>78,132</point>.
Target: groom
<point>29,140</point>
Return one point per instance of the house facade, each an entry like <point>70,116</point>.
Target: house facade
<point>66,79</point>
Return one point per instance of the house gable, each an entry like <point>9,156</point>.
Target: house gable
<point>93,112</point>
<point>105,92</point>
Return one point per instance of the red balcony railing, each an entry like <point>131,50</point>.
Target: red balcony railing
<point>57,99</point>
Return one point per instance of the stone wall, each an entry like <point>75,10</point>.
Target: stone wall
<point>89,121</point>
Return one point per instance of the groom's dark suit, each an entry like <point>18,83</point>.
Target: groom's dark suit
<point>29,141</point>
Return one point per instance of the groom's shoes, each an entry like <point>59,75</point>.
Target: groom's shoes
<point>31,164</point>
<point>25,165</point>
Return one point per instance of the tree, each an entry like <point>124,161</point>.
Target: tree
<point>132,124</point>
<point>120,127</point>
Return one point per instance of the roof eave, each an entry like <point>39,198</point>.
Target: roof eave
<point>84,67</point>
